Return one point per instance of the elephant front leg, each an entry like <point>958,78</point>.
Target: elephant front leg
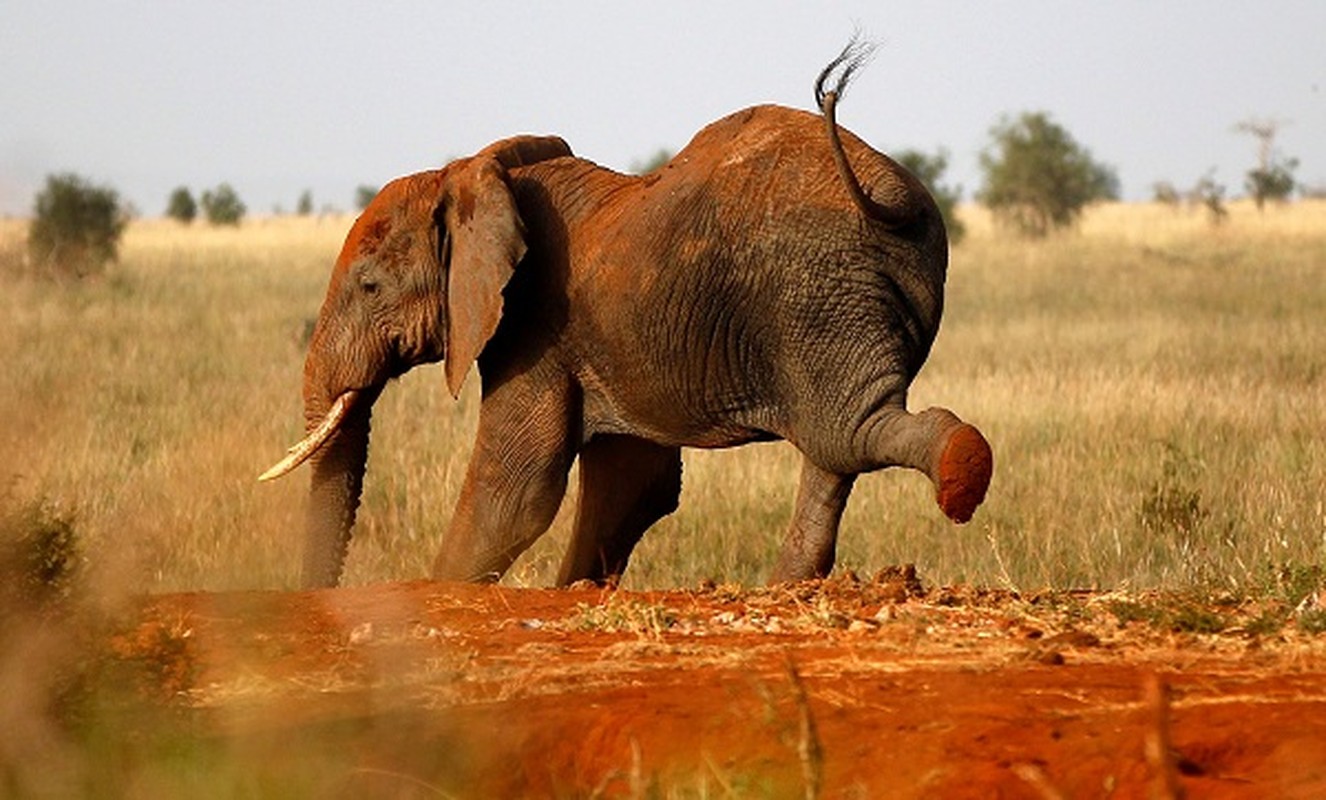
<point>626,485</point>
<point>514,484</point>
<point>808,551</point>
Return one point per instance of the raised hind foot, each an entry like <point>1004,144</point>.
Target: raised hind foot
<point>963,473</point>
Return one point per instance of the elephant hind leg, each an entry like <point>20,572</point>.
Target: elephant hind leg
<point>952,453</point>
<point>809,549</point>
<point>963,473</point>
<point>626,485</point>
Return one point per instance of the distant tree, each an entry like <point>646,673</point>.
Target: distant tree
<point>1038,178</point>
<point>1163,192</point>
<point>660,157</point>
<point>305,205</point>
<point>181,206</point>
<point>930,169</point>
<point>222,206</point>
<point>1275,183</point>
<point>76,227</point>
<point>364,195</point>
<point>1211,196</point>
<point>1273,177</point>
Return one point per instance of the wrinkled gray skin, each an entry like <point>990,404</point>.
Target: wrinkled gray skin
<point>746,291</point>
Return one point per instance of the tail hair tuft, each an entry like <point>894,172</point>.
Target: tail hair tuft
<point>854,56</point>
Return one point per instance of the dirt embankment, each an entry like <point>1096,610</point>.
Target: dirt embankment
<point>835,689</point>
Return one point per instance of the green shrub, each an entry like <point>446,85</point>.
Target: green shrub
<point>655,162</point>
<point>364,195</point>
<point>222,206</point>
<point>1038,178</point>
<point>75,228</point>
<point>1274,182</point>
<point>182,206</point>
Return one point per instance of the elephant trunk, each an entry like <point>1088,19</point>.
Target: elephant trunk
<point>337,444</point>
<point>334,490</point>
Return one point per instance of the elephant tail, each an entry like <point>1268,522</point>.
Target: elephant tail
<point>854,56</point>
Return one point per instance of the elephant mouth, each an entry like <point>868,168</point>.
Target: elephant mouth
<point>301,452</point>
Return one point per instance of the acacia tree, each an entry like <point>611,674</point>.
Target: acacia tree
<point>930,170</point>
<point>1038,178</point>
<point>1166,193</point>
<point>1273,177</point>
<point>1211,196</point>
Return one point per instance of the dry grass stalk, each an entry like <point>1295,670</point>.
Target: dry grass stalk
<point>1035,777</point>
<point>810,750</point>
<point>1159,748</point>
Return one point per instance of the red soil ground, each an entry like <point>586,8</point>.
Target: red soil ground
<point>835,689</point>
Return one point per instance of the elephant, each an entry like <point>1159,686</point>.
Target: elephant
<point>777,279</point>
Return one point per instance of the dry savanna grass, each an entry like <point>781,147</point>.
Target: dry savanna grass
<point>1152,387</point>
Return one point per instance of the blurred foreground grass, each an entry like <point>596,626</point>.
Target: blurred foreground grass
<point>1152,387</point>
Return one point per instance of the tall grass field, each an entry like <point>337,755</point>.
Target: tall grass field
<point>1154,388</point>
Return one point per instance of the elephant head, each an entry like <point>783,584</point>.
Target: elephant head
<point>418,280</point>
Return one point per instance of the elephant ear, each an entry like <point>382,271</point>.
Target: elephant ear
<point>485,239</point>
<point>521,151</point>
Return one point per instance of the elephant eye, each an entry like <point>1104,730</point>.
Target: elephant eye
<point>368,284</point>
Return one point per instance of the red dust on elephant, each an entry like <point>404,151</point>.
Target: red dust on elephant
<point>778,279</point>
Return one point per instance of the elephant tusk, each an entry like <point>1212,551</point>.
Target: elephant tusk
<point>317,438</point>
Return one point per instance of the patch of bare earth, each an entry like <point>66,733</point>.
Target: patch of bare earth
<point>842,688</point>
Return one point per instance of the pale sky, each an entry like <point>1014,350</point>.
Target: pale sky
<point>279,97</point>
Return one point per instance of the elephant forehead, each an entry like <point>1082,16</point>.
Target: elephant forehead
<point>364,237</point>
<point>367,234</point>
<point>402,204</point>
